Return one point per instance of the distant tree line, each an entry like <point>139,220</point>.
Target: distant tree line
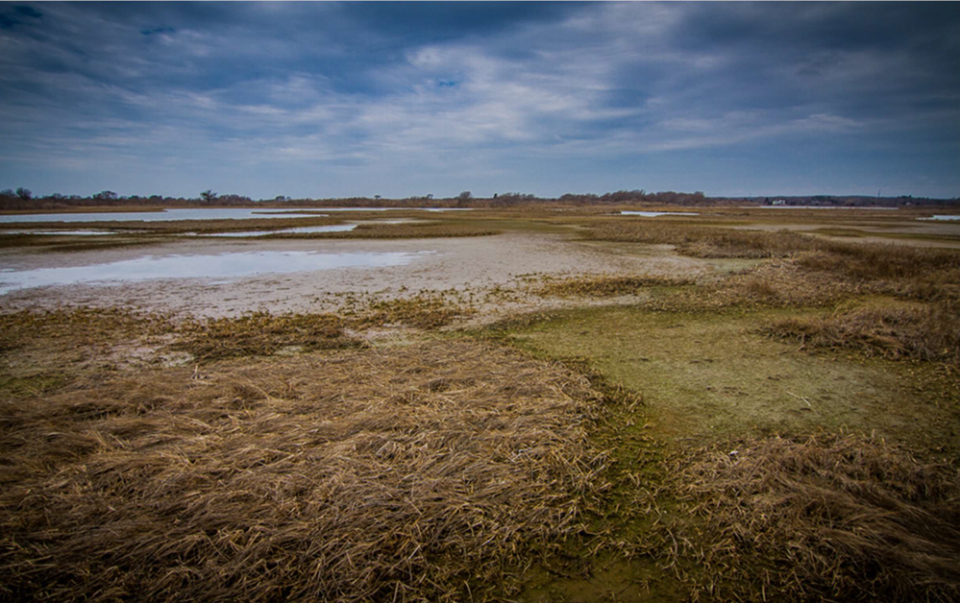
<point>22,199</point>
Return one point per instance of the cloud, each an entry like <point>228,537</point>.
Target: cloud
<point>405,96</point>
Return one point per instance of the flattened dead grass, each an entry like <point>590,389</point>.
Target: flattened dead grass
<point>838,518</point>
<point>410,473</point>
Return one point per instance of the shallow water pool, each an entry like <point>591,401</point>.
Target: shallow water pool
<point>219,267</point>
<point>300,230</point>
<point>654,214</point>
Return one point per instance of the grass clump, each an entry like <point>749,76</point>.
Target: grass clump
<point>705,241</point>
<point>840,518</point>
<point>387,474</point>
<point>606,285</point>
<point>422,311</point>
<point>918,333</point>
<point>81,326</point>
<point>259,334</point>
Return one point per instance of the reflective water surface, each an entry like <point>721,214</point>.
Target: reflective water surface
<point>654,214</point>
<point>223,266</point>
<point>82,233</point>
<point>300,230</point>
<point>227,213</point>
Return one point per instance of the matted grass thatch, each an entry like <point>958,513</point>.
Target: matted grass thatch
<point>424,472</point>
<point>827,518</point>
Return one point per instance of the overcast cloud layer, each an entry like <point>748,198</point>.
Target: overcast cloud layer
<point>329,100</point>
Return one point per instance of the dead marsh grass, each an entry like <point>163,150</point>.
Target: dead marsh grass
<point>930,332</point>
<point>422,476</point>
<point>826,518</point>
<point>260,334</point>
<point>923,272</point>
<point>605,285</point>
<point>422,311</point>
<point>76,327</point>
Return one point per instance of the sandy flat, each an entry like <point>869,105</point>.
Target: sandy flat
<point>465,264</point>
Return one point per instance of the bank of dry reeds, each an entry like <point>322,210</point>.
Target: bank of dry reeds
<point>425,472</point>
<point>930,332</point>
<point>828,518</point>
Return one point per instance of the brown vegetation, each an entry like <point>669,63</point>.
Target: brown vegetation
<point>606,285</point>
<point>838,518</point>
<point>409,473</point>
<point>423,311</point>
<point>260,334</point>
<point>918,333</point>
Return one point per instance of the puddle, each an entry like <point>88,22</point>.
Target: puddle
<point>233,213</point>
<point>82,233</point>
<point>300,230</point>
<point>220,267</point>
<point>228,213</point>
<point>654,214</point>
<point>818,207</point>
<point>950,218</point>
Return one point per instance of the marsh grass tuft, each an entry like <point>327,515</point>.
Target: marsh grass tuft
<point>423,311</point>
<point>79,326</point>
<point>842,517</point>
<point>260,334</point>
<point>929,332</point>
<point>606,285</point>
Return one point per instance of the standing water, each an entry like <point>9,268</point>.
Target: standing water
<point>220,266</point>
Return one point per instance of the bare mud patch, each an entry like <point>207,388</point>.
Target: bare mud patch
<point>480,264</point>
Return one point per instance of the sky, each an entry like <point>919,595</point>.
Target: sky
<point>409,99</point>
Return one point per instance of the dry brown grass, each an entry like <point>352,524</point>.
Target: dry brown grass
<point>704,241</point>
<point>260,334</point>
<point>836,518</point>
<point>920,273</point>
<point>605,285</point>
<point>76,326</point>
<point>917,333</point>
<point>409,474</point>
<point>423,311</point>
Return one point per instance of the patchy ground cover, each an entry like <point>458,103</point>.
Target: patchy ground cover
<point>408,472</point>
<point>660,410</point>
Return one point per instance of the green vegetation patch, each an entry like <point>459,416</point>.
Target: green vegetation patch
<point>709,375</point>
